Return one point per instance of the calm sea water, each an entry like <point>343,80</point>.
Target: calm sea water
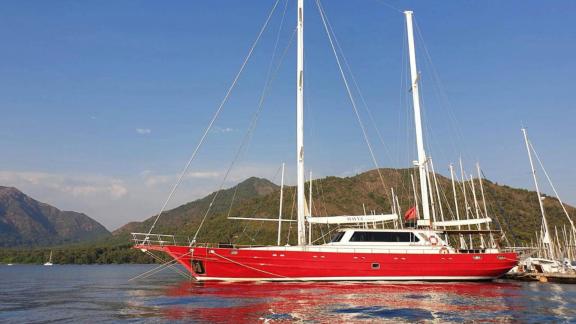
<point>103,293</point>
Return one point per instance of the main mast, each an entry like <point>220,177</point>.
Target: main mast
<point>418,121</point>
<point>300,124</point>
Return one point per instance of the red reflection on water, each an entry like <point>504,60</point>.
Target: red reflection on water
<point>249,302</point>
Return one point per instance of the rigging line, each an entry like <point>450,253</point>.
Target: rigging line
<point>153,270</point>
<point>370,115</point>
<point>353,102</point>
<point>441,93</point>
<point>552,185</point>
<point>215,116</point>
<point>365,104</point>
<point>247,224</point>
<point>447,201</point>
<point>320,190</point>
<point>245,140</point>
<point>159,268</point>
<point>257,208</point>
<point>403,115</point>
<point>291,215</point>
<point>403,92</point>
<point>268,73</point>
<point>389,5</point>
<point>172,266</point>
<point>501,212</point>
<point>232,201</point>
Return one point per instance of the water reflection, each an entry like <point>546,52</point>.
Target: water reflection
<point>409,302</point>
<point>79,294</point>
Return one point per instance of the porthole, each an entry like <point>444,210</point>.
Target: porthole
<point>375,266</point>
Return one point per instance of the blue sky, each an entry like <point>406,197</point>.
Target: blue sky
<point>102,102</point>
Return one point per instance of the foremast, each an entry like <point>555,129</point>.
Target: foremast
<point>300,124</point>
<point>422,160</point>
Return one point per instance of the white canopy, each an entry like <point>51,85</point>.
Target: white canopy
<point>351,219</point>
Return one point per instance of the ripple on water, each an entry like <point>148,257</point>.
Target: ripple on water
<point>105,294</point>
<point>376,312</point>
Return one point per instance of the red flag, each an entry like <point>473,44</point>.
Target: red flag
<point>410,214</point>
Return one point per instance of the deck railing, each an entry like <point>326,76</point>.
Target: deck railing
<point>158,239</point>
<point>143,239</point>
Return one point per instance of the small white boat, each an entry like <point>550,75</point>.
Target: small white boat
<point>49,263</point>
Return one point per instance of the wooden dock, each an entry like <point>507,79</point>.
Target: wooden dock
<point>569,278</point>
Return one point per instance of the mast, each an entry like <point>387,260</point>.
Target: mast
<point>300,124</point>
<point>415,195</point>
<point>546,237</point>
<point>482,191</point>
<point>477,210</point>
<point>418,121</point>
<point>310,210</point>
<point>454,193</point>
<point>431,190</point>
<point>281,200</point>
<point>437,190</point>
<point>462,241</point>
<point>484,202</point>
<point>466,207</point>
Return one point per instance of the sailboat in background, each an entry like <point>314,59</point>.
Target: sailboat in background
<point>49,263</point>
<point>361,248</point>
<point>551,257</point>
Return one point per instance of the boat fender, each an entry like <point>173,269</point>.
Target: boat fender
<point>444,250</point>
<point>433,240</point>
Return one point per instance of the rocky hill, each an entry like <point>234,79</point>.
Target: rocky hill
<point>514,210</point>
<point>28,222</point>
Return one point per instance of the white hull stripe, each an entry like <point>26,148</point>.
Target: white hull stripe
<point>383,278</point>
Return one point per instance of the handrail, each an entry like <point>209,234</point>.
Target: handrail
<point>155,239</point>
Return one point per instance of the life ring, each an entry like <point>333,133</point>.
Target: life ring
<point>444,250</point>
<point>433,240</point>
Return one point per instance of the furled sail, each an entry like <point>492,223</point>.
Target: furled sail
<point>474,221</point>
<point>352,219</point>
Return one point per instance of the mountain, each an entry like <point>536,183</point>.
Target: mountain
<point>514,210</point>
<point>182,218</point>
<point>28,222</point>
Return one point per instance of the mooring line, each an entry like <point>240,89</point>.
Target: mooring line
<point>159,268</point>
<point>172,266</point>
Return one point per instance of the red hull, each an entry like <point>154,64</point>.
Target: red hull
<point>282,265</point>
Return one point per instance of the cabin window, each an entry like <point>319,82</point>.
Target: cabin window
<point>337,237</point>
<point>375,266</point>
<point>391,237</point>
